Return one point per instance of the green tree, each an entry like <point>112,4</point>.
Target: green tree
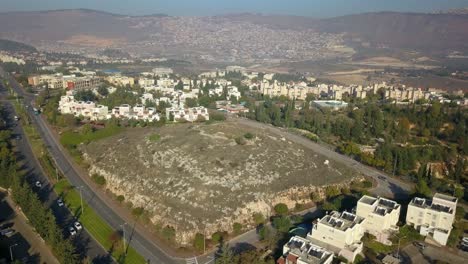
<point>199,242</point>
<point>281,209</point>
<point>282,224</point>
<point>103,91</point>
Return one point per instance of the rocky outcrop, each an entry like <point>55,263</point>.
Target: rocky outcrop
<point>196,177</point>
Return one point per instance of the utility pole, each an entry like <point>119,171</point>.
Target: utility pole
<point>11,252</point>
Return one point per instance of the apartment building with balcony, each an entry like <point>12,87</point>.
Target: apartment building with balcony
<point>381,217</point>
<point>433,218</point>
<point>340,233</point>
<point>302,251</point>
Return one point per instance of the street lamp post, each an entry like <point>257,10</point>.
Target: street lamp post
<point>11,252</point>
<point>399,238</point>
<point>124,245</point>
<point>81,199</point>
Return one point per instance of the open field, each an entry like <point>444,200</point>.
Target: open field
<point>215,174</point>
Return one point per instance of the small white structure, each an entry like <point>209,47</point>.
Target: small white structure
<point>433,218</point>
<point>381,217</point>
<point>340,233</point>
<point>302,251</point>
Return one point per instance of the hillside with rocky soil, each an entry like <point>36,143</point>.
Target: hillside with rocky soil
<point>196,176</point>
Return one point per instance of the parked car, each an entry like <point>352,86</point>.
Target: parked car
<point>420,245</point>
<point>465,239</point>
<point>78,226</point>
<point>72,231</point>
<point>60,202</point>
<point>8,232</point>
<point>38,184</point>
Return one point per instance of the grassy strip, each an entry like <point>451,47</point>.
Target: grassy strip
<point>37,145</point>
<point>100,230</point>
<point>70,138</point>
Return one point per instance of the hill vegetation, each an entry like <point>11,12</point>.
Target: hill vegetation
<point>13,46</point>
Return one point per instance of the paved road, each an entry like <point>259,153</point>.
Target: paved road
<point>26,158</point>
<point>150,251</point>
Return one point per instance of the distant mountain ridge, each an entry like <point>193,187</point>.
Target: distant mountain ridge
<point>440,32</point>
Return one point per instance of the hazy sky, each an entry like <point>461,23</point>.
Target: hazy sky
<point>314,8</point>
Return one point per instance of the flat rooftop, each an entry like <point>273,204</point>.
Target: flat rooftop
<point>428,204</point>
<point>445,197</point>
<point>307,251</point>
<point>381,205</point>
<point>341,221</point>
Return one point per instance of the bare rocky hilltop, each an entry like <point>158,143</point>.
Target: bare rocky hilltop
<point>209,176</point>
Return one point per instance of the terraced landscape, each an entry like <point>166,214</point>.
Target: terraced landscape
<point>208,176</point>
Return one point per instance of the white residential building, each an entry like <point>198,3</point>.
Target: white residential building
<point>381,216</point>
<point>232,91</point>
<point>120,80</point>
<point>143,82</point>
<point>218,91</point>
<point>302,251</point>
<point>340,233</point>
<point>89,110</point>
<point>433,218</point>
<point>162,71</point>
<point>188,114</point>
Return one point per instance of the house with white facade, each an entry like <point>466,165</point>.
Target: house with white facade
<point>302,251</point>
<point>188,114</point>
<point>233,91</point>
<point>381,217</point>
<point>340,233</point>
<point>433,218</point>
<point>218,91</point>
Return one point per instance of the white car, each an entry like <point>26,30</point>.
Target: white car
<point>38,184</point>
<point>60,202</point>
<point>72,231</point>
<point>465,240</point>
<point>78,226</point>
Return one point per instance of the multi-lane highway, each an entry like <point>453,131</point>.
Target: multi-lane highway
<point>34,172</point>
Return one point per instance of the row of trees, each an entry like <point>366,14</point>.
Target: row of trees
<point>40,216</point>
<point>405,137</point>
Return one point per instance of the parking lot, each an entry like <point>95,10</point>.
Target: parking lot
<point>22,242</point>
<point>430,254</point>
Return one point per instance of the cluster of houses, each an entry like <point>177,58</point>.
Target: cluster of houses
<point>341,233</point>
<point>300,90</point>
<point>92,111</point>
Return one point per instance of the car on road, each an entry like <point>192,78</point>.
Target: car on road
<point>465,239</point>
<point>382,178</point>
<point>78,226</point>
<point>8,232</point>
<point>420,245</point>
<point>38,184</point>
<point>60,202</point>
<point>18,137</point>
<point>72,231</point>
